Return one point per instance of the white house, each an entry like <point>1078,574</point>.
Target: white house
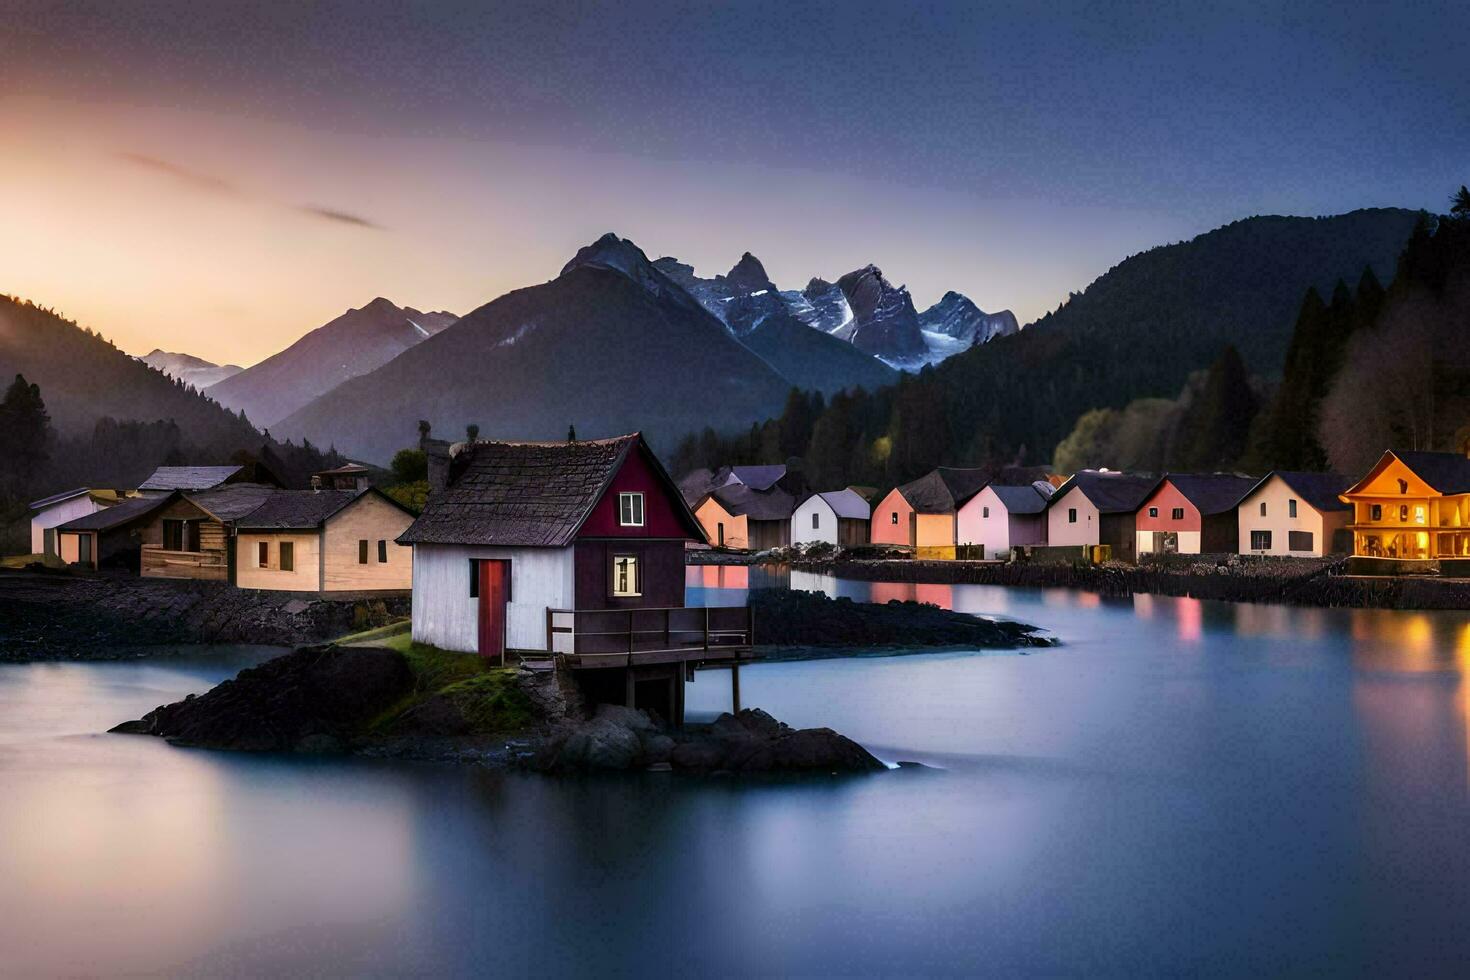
<point>62,507</point>
<point>1000,518</point>
<point>1295,514</point>
<point>838,517</point>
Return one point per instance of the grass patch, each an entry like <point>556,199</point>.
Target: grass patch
<point>21,561</point>
<point>487,696</point>
<point>492,702</point>
<point>392,629</point>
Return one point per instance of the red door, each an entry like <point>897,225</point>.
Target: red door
<point>494,593</point>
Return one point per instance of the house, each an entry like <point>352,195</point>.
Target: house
<point>192,536</point>
<point>323,541</point>
<point>700,483</point>
<point>111,537</point>
<point>741,517</point>
<point>573,549</point>
<point>197,478</point>
<point>1001,517</point>
<point>352,476</point>
<point>1192,514</point>
<point>1096,507</point>
<point>1289,513</point>
<point>921,514</point>
<point>839,517</point>
<point>1413,508</point>
<point>62,507</point>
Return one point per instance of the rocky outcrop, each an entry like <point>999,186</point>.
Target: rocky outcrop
<point>791,618</point>
<point>618,738</point>
<point>885,323</point>
<point>61,616</point>
<point>955,315</point>
<point>315,699</point>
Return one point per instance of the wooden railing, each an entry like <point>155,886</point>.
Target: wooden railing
<point>165,563</point>
<point>619,637</point>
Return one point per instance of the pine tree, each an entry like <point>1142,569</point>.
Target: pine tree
<point>1215,428</point>
<point>25,433</point>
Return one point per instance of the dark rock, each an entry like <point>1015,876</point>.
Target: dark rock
<point>313,699</point>
<point>699,756</point>
<point>599,744</point>
<point>810,619</point>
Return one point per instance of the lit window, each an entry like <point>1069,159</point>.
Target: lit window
<point>630,509</point>
<point>1375,513</point>
<point>1071,515</point>
<point>1153,512</point>
<point>1291,509</point>
<point>1419,515</point>
<point>625,576</point>
<point>1403,513</point>
<point>1177,513</point>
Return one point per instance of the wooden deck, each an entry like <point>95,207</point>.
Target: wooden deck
<point>159,562</point>
<point>593,638</point>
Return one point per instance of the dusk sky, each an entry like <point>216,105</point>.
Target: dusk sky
<point>220,178</point>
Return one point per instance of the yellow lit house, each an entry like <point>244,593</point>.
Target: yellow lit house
<point>1412,509</point>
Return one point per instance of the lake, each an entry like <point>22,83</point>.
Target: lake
<point>1181,787</point>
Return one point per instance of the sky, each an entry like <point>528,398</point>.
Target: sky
<point>220,178</point>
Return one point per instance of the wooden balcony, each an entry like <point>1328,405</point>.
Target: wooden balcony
<point>158,562</point>
<point>635,637</point>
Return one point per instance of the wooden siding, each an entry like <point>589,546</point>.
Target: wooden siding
<point>373,519</point>
<point>306,553</point>
<point>209,562</point>
<point>445,615</point>
<point>661,504</point>
<point>662,572</point>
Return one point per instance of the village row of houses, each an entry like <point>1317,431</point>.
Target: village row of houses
<point>1412,506</point>
<point>234,524</point>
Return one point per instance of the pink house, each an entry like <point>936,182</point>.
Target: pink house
<point>1000,518</point>
<point>1192,514</point>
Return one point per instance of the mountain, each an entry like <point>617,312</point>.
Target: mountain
<point>610,345</point>
<point>353,344</point>
<point>957,318</point>
<point>759,316</point>
<point>884,322</point>
<point>189,369</point>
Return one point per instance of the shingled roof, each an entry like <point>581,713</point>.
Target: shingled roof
<point>130,509</point>
<point>527,494</point>
<point>1445,472</point>
<point>286,509</point>
<point>234,501</point>
<point>1110,493</point>
<point>1212,493</point>
<point>756,505</point>
<point>1319,490</point>
<point>847,504</point>
<point>1022,500</point>
<point>943,489</point>
<point>188,477</point>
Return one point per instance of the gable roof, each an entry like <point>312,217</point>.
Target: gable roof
<point>1445,472</point>
<point>305,509</point>
<point>232,501</point>
<point>1110,493</point>
<point>757,477</point>
<point>1319,490</point>
<point>188,477</point>
<point>847,504</point>
<point>531,494</point>
<point>119,514</point>
<point>756,505</point>
<point>1020,500</point>
<point>1211,493</point>
<point>944,488</point>
<point>101,496</point>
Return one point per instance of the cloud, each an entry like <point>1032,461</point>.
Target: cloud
<point>330,214</point>
<point>218,185</point>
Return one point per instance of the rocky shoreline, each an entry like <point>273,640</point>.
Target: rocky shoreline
<point>63,616</point>
<point>372,701</point>
<point>1229,578</point>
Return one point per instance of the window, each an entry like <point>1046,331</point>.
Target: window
<point>816,521</point>
<point>893,518</point>
<point>288,556</point>
<point>630,509</point>
<point>1375,513</point>
<point>362,551</point>
<point>1177,514</point>
<point>984,511</point>
<point>1071,515</point>
<point>1419,515</point>
<point>720,530</point>
<point>1260,540</point>
<point>1291,508</point>
<point>263,555</point>
<point>1263,508</point>
<point>1403,486</point>
<point>180,535</point>
<point>474,578</point>
<point>1298,540</point>
<point>1403,513</point>
<point>382,551</point>
<point>625,576</point>
<point>1153,512</point>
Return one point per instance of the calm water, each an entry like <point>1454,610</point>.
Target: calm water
<point>1183,786</point>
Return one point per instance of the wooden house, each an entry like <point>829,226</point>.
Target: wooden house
<point>191,537</point>
<point>194,479</point>
<point>1001,517</point>
<point>1412,509</point>
<point>353,477</point>
<point>111,537</point>
<point>57,509</point>
<point>1096,508</point>
<point>323,541</point>
<point>741,517</point>
<point>921,514</point>
<point>839,517</point>
<point>1191,514</point>
<point>1299,514</point>
<point>573,550</point>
